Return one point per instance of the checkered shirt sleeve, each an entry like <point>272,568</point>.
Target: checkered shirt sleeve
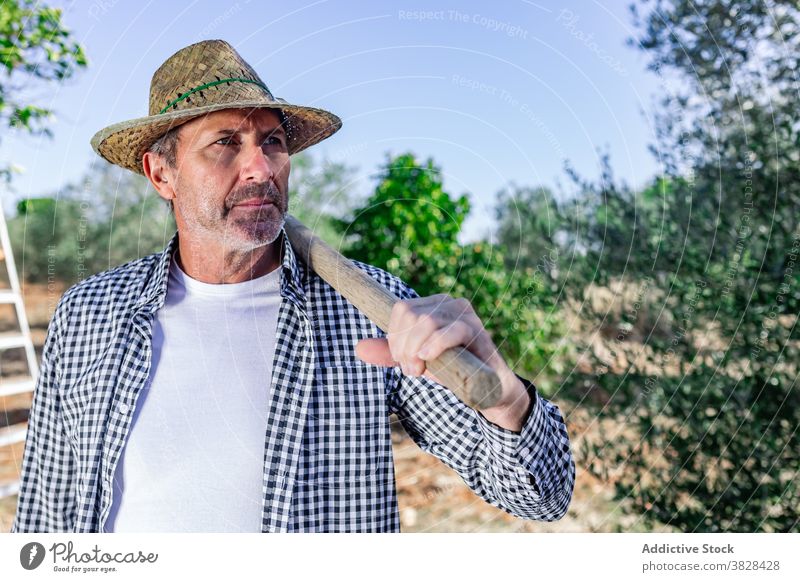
<point>48,477</point>
<point>530,474</point>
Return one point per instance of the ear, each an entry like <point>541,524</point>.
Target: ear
<point>161,176</point>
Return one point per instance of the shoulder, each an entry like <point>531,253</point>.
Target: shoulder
<point>392,282</point>
<point>338,324</point>
<point>120,285</point>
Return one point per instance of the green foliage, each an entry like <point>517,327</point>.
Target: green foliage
<point>536,250</point>
<point>695,462</point>
<point>530,224</point>
<point>319,192</point>
<point>517,306</point>
<point>609,226</point>
<point>43,236</point>
<point>410,227</point>
<point>110,217</point>
<point>34,45</point>
<point>35,206</point>
<point>716,446</point>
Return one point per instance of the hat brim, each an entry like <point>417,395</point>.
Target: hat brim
<point>125,143</point>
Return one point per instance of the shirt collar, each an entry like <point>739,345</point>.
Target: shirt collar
<point>293,274</point>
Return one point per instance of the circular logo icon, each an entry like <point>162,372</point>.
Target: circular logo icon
<point>31,555</point>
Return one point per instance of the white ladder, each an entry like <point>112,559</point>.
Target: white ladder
<point>22,339</point>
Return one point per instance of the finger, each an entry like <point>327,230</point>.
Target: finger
<point>412,321</point>
<point>402,327</point>
<point>399,322</point>
<point>446,306</point>
<point>458,333</point>
<point>423,329</point>
<point>375,351</point>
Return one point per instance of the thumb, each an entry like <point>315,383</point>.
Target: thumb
<point>375,351</point>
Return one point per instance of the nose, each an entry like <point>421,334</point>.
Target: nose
<point>256,165</point>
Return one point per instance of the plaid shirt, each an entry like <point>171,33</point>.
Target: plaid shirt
<point>327,453</point>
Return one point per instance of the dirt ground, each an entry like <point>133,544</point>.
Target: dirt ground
<point>432,497</point>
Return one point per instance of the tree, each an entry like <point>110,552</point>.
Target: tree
<point>319,192</point>
<point>109,217</point>
<point>718,447</point>
<point>44,240</point>
<point>530,224</point>
<point>410,227</point>
<point>34,47</point>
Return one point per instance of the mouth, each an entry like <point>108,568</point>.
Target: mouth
<point>254,203</point>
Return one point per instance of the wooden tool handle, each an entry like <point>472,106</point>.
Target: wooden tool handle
<point>458,369</point>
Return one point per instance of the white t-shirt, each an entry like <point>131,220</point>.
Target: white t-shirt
<point>194,459</point>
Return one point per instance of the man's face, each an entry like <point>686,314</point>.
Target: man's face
<point>232,178</point>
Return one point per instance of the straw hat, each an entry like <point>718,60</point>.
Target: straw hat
<point>200,78</point>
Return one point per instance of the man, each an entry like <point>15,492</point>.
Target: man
<point>221,385</point>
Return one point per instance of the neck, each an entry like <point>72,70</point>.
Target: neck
<point>213,262</point>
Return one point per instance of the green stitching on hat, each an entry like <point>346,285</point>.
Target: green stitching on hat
<point>206,86</point>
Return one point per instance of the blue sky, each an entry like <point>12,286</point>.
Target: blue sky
<point>494,92</point>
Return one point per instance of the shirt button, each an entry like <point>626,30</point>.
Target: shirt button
<point>123,408</point>
<point>525,452</point>
<point>497,447</point>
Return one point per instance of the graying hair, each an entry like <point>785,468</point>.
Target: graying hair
<point>167,147</point>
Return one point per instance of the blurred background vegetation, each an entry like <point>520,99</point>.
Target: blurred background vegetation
<point>672,310</point>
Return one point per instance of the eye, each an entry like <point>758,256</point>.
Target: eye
<point>227,140</point>
<point>273,140</point>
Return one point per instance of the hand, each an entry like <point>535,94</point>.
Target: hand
<point>420,329</point>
